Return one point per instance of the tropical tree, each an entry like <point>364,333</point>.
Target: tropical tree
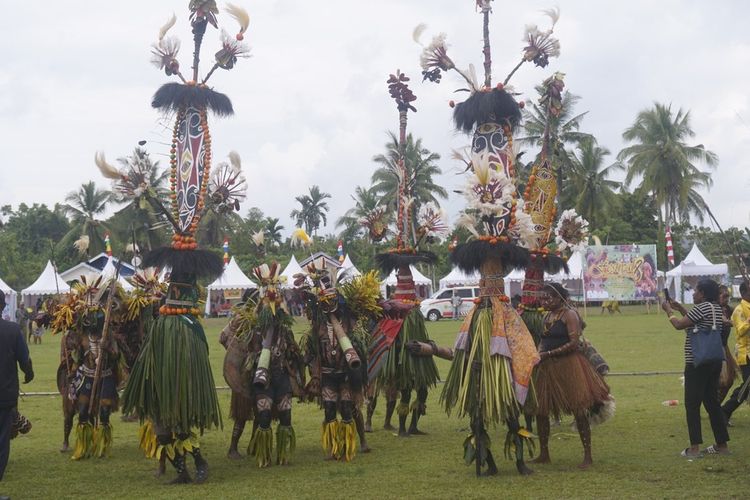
<point>368,204</point>
<point>564,133</point>
<point>589,185</point>
<point>83,206</point>
<point>665,164</point>
<point>421,169</point>
<point>312,211</point>
<point>273,231</point>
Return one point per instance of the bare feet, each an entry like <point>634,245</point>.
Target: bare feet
<point>403,434</point>
<point>65,448</point>
<point>542,459</point>
<point>387,426</point>
<point>365,448</point>
<point>587,462</point>
<point>234,455</point>
<point>417,432</point>
<point>523,469</point>
<point>368,427</point>
<point>491,471</point>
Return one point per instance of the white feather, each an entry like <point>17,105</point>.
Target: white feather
<point>473,77</point>
<point>553,14</point>
<point>107,170</point>
<point>234,159</point>
<point>167,26</point>
<point>240,15</point>
<point>417,33</point>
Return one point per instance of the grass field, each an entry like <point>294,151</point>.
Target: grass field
<point>635,453</point>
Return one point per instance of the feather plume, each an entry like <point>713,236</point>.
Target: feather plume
<point>472,72</point>
<point>107,170</point>
<point>553,14</point>
<point>167,26</point>
<point>468,222</point>
<point>240,15</point>
<point>417,33</point>
<point>300,238</point>
<point>259,238</point>
<point>235,161</point>
<point>82,244</point>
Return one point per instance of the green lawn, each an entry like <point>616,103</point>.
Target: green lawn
<point>635,453</point>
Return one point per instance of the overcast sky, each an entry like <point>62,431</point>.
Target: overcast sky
<point>311,104</point>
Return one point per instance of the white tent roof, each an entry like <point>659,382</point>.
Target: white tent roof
<point>457,277</point>
<point>289,271</point>
<point>419,278</point>
<point>348,268</point>
<point>232,278</point>
<point>575,267</point>
<point>49,282</point>
<point>10,300</point>
<point>110,271</point>
<point>5,288</point>
<point>696,264</point>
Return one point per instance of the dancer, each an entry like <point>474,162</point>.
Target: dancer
<point>171,383</point>
<point>391,368</point>
<point>565,381</point>
<point>741,322</point>
<point>334,351</point>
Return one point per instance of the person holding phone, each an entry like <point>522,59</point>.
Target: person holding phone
<point>701,382</point>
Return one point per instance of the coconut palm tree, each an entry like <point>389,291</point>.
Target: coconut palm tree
<point>312,211</point>
<point>589,185</point>
<point>83,206</point>
<point>665,164</point>
<point>368,209</point>
<point>420,171</point>
<point>273,231</point>
<point>564,132</point>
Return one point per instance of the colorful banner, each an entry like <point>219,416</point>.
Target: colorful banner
<point>620,272</point>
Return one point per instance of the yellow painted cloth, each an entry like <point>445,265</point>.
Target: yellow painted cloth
<point>741,322</point>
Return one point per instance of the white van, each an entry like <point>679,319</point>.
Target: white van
<point>440,304</point>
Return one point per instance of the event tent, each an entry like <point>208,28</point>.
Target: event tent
<point>231,279</point>
<point>48,283</point>
<point>420,280</point>
<point>459,278</point>
<point>11,298</point>
<point>110,271</point>
<point>348,270</point>
<point>693,266</point>
<point>573,279</point>
<point>289,271</point>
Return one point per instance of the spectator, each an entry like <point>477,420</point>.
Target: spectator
<point>13,351</point>
<point>456,303</point>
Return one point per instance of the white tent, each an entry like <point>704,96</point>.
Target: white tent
<point>48,283</point>
<point>11,298</point>
<point>419,280</point>
<point>573,279</point>
<point>289,271</point>
<point>694,265</point>
<point>348,270</point>
<point>231,279</point>
<point>459,278</point>
<point>110,271</point>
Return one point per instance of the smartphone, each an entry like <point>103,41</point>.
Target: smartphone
<point>667,298</point>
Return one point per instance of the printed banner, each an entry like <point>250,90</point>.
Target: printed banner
<point>620,272</point>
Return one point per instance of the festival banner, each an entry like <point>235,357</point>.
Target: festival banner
<point>620,272</point>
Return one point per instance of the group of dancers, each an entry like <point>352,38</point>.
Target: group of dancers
<point>507,364</point>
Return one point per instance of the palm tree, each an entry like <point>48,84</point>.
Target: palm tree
<point>367,205</point>
<point>273,231</point>
<point>589,184</point>
<point>420,170</point>
<point>83,206</point>
<point>313,210</point>
<point>563,131</point>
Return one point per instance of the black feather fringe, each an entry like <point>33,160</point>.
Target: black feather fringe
<point>389,261</point>
<point>481,107</point>
<point>551,263</point>
<point>172,96</point>
<point>469,256</point>
<point>199,263</point>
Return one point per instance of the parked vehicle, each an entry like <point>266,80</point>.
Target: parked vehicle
<point>440,304</point>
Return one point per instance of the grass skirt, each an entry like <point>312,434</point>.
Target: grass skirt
<point>402,370</point>
<point>240,407</point>
<point>568,385</point>
<point>171,382</point>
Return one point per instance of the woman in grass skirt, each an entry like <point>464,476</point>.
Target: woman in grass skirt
<point>565,381</point>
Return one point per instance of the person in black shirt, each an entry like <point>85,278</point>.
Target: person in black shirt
<point>13,350</point>
<point>701,382</point>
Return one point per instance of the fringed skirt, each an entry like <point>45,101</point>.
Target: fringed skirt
<point>402,370</point>
<point>568,385</point>
<point>240,407</point>
<point>171,382</point>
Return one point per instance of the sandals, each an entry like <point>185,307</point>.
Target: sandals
<point>714,450</point>
<point>687,454</point>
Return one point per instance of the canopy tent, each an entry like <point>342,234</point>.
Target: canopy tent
<point>11,299</point>
<point>231,279</point>
<point>459,278</point>
<point>110,271</point>
<point>289,271</point>
<point>420,280</point>
<point>573,279</point>
<point>693,266</point>
<point>348,270</point>
<point>48,283</point>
